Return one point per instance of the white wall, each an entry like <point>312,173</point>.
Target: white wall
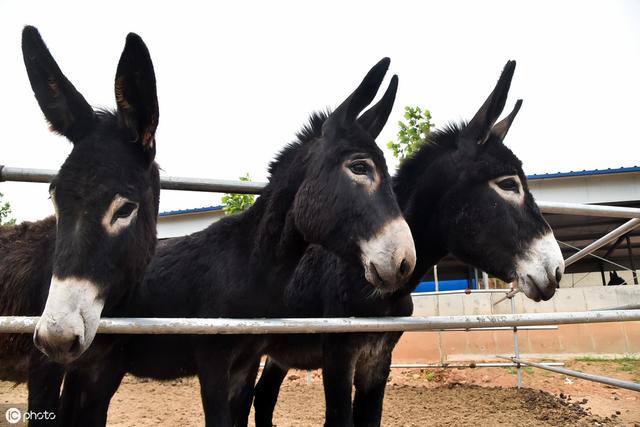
<point>182,225</point>
<point>588,189</point>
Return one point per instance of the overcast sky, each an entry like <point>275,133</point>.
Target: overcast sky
<point>236,80</point>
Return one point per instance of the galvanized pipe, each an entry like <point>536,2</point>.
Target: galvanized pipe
<point>621,307</point>
<point>210,185</point>
<point>13,324</point>
<point>461,291</point>
<point>504,328</point>
<point>612,235</point>
<point>588,210</point>
<point>8,173</point>
<point>590,377</point>
<point>463,365</point>
<point>166,182</point>
<point>516,346</point>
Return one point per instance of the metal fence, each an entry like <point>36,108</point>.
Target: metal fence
<point>511,321</point>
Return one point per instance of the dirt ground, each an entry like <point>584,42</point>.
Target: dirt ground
<point>482,396</point>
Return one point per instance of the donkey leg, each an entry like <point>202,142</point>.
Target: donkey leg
<point>45,379</point>
<point>266,393</point>
<point>242,397</point>
<point>370,381</point>
<point>214,366</point>
<point>87,393</point>
<point>338,367</point>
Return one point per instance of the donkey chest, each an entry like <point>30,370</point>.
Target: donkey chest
<point>297,351</point>
<point>160,357</point>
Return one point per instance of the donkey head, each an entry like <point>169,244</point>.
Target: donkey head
<point>488,216</point>
<point>105,195</point>
<point>345,201</point>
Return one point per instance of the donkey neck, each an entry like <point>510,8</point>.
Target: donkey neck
<point>275,241</point>
<point>419,198</point>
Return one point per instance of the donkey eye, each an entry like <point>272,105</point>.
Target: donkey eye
<point>509,184</point>
<point>125,210</point>
<point>359,168</point>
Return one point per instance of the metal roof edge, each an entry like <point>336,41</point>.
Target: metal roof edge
<point>592,172</point>
<point>191,211</point>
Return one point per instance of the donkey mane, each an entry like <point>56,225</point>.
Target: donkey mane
<point>438,144</point>
<point>270,207</point>
<point>313,129</point>
<point>309,132</point>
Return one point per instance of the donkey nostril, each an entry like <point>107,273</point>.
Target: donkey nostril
<point>404,267</point>
<point>558,276</point>
<point>75,345</point>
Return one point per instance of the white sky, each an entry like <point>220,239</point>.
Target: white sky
<point>236,80</point>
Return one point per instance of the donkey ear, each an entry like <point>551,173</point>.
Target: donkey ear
<point>479,128</point>
<point>136,95</point>
<point>346,114</point>
<point>502,127</point>
<point>374,119</point>
<point>64,107</point>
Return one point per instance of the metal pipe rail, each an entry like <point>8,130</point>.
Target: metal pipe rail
<point>588,210</point>
<point>464,365</point>
<point>8,173</point>
<point>621,307</point>
<point>612,235</point>
<point>14,324</point>
<point>590,377</point>
<point>446,365</point>
<point>460,291</point>
<point>503,328</point>
<point>166,182</point>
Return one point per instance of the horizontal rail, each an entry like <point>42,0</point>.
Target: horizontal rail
<point>211,185</point>
<point>461,291</point>
<point>621,307</point>
<point>504,328</point>
<point>8,173</point>
<point>464,365</point>
<point>166,182</point>
<point>13,324</point>
<point>588,210</point>
<point>612,235</point>
<point>590,377</point>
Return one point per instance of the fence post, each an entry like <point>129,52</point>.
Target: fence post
<point>516,346</point>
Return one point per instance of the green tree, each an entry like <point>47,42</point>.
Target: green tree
<point>5,211</point>
<point>235,203</point>
<point>412,133</point>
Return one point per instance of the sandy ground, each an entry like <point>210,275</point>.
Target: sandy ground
<point>483,396</point>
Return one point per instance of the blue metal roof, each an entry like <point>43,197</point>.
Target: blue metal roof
<point>191,211</point>
<point>591,172</point>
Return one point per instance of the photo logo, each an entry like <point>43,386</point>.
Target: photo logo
<point>13,415</point>
<point>19,414</point>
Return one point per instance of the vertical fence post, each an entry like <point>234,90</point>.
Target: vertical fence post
<point>631,263</point>
<point>516,346</point>
<point>437,287</point>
